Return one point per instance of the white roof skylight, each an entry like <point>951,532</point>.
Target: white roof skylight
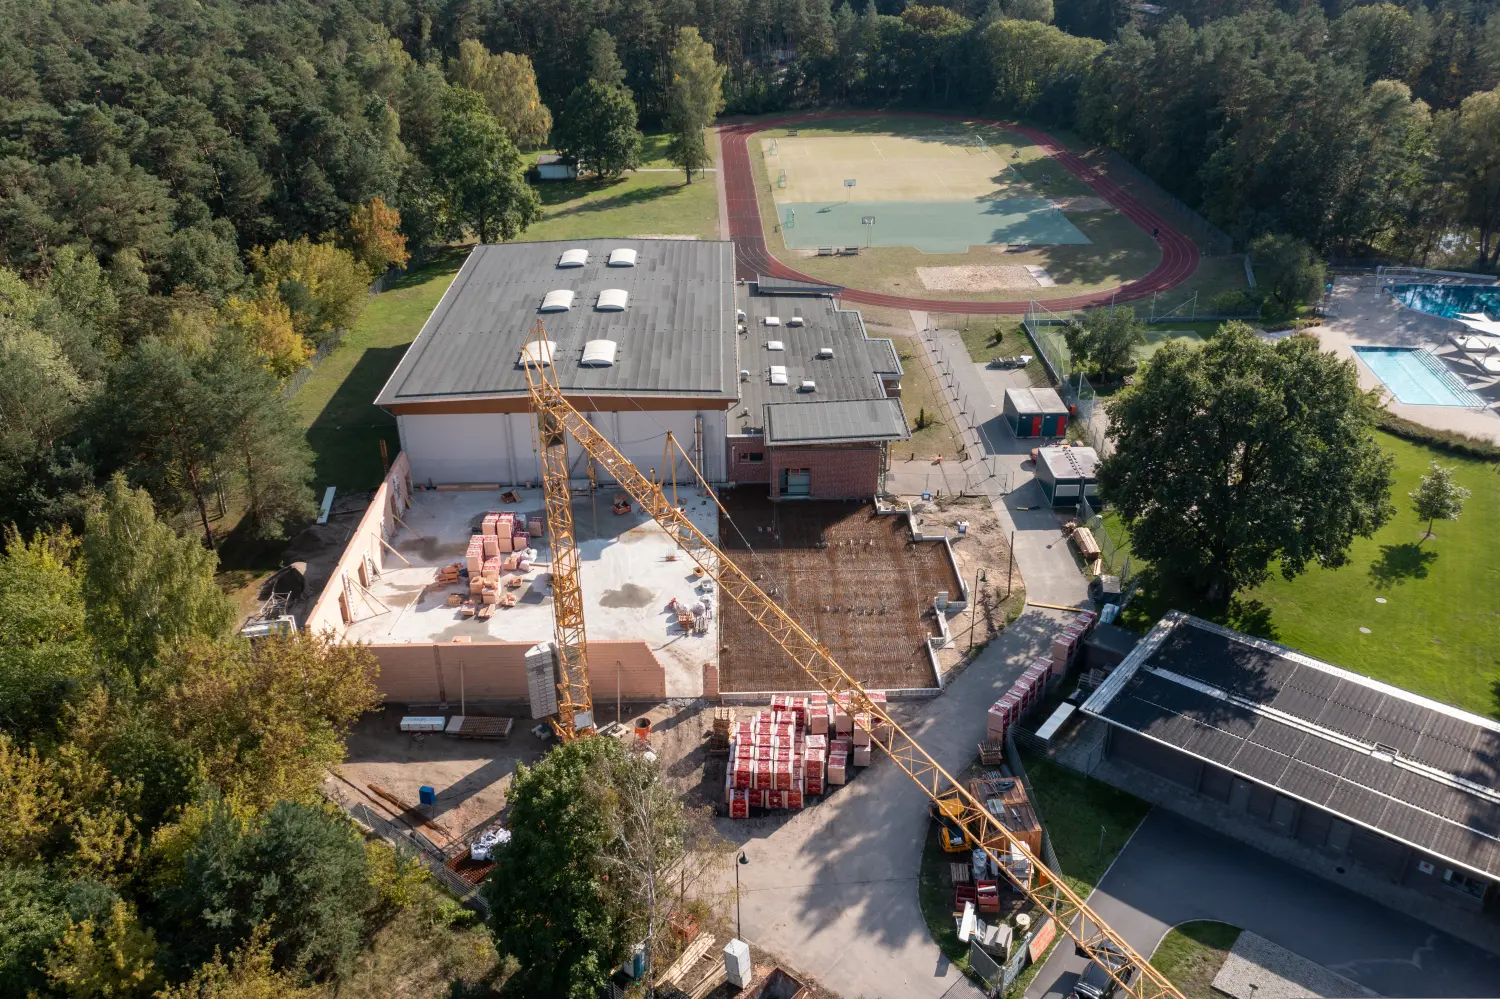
<point>536,354</point>
<point>612,300</point>
<point>598,354</point>
<point>622,257</point>
<point>558,300</point>
<point>775,345</point>
<point>778,374</point>
<point>575,257</point>
<point>772,320</point>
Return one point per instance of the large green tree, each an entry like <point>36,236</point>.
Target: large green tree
<point>1242,456</point>
<point>1106,339</point>
<point>695,98</point>
<point>478,171</point>
<point>1288,270</point>
<point>598,129</point>
<point>553,904</point>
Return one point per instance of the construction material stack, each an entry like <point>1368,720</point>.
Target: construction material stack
<point>795,750</point>
<point>1032,684</point>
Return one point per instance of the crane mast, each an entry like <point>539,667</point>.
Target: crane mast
<point>575,706</point>
<point>981,829</point>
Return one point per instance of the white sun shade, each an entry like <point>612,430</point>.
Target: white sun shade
<point>560,300</point>
<point>623,257</point>
<point>778,374</point>
<point>536,354</point>
<point>775,345</point>
<point>772,321</point>
<point>575,257</point>
<point>612,300</point>
<point>598,354</point>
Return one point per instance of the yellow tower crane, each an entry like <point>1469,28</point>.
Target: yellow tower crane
<point>1091,934</point>
<point>575,704</point>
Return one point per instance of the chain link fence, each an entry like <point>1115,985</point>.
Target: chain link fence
<point>1045,328</point>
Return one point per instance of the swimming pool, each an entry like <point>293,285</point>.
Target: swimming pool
<point>1416,378</point>
<point>1448,300</point>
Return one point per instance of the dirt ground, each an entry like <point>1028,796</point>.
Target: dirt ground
<point>982,550</point>
<point>852,577</point>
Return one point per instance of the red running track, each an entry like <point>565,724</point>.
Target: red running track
<point>1179,256</point>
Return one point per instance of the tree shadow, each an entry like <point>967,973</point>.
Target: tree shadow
<point>625,199</point>
<point>1398,563</point>
<point>1158,594</point>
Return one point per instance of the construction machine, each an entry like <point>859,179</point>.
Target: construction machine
<point>556,419</point>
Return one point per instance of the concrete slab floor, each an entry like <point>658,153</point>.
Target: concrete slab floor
<point>624,568</point>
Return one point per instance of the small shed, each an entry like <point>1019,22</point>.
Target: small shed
<point>550,166</point>
<point>1035,412</point>
<point>1066,473</point>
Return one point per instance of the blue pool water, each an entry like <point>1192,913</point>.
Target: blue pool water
<point>1416,378</point>
<point>1448,300</point>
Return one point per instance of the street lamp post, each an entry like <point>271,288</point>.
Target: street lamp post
<point>743,860</point>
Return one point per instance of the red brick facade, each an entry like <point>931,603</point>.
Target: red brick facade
<point>741,469</point>
<point>841,471</point>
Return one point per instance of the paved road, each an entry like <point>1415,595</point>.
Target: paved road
<point>833,889</point>
<point>1173,871</point>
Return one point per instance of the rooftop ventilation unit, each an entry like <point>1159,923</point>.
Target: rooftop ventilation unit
<point>772,321</point>
<point>612,300</point>
<point>598,354</point>
<point>775,345</point>
<point>796,319</point>
<point>537,354</point>
<point>825,352</point>
<point>778,375</point>
<point>745,376</point>
<point>809,386</point>
<point>560,300</point>
<point>575,257</point>
<point>623,257</point>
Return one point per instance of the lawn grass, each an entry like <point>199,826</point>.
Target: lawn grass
<point>921,392</point>
<point>336,403</point>
<point>1435,632</point>
<point>638,204</point>
<point>1192,954</point>
<point>935,896</point>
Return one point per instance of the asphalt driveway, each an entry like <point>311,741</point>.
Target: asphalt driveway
<point>1173,871</point>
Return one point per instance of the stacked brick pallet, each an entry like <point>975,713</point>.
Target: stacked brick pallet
<point>1032,684</point>
<point>793,751</point>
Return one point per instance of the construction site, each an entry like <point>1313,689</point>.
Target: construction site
<point>857,578</point>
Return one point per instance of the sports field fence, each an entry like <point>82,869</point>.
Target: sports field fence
<point>1213,240</point>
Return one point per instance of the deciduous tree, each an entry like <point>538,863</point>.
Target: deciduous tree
<point>1106,338</point>
<point>598,129</point>
<point>375,236</point>
<point>695,98</point>
<point>478,171</point>
<point>1242,454</point>
<point>1438,497</point>
<point>507,83</point>
<point>265,323</point>
<point>1288,270</point>
<point>325,287</point>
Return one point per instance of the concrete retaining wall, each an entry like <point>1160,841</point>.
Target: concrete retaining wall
<point>496,671</point>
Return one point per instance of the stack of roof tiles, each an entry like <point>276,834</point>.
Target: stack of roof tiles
<point>1032,683</point>
<point>795,750</point>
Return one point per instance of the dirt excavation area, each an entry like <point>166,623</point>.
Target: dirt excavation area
<point>853,577</point>
<point>982,551</point>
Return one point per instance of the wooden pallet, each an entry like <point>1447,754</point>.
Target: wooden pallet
<point>960,873</point>
<point>992,754</point>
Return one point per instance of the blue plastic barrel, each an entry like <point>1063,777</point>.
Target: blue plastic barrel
<point>427,795</point>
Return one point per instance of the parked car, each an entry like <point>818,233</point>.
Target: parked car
<point>1095,982</point>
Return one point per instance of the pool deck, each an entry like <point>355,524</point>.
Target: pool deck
<point>1364,315</point>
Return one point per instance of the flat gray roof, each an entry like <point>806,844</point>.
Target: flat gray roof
<point>1070,462</point>
<point>675,336</point>
<point>1035,400</point>
<point>854,372</point>
<point>835,422</point>
<point>1403,765</point>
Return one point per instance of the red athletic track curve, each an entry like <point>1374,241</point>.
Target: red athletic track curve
<point>1179,256</point>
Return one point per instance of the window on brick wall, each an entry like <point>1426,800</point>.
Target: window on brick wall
<point>752,457</point>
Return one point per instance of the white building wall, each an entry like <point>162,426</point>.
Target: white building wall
<point>459,448</point>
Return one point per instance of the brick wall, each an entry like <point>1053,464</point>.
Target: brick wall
<point>838,472</point>
<point>496,671</point>
<point>743,471</point>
